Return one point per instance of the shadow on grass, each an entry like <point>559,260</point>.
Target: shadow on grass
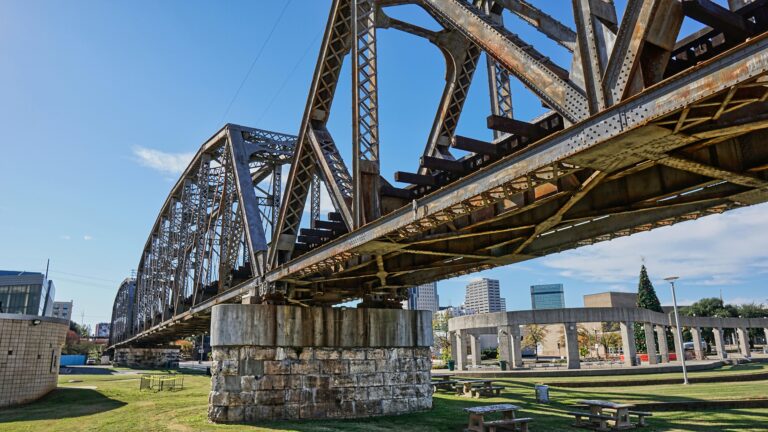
<point>61,403</point>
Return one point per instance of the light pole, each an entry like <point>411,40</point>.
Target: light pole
<point>671,281</point>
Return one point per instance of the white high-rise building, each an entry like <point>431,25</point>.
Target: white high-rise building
<point>483,296</point>
<point>423,297</point>
<point>62,310</point>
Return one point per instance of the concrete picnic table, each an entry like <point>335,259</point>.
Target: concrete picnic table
<point>619,412</point>
<point>477,415</point>
<point>464,387</point>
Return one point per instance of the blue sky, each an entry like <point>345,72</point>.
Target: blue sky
<point>104,102</point>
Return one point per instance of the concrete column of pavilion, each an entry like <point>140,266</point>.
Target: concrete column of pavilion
<point>628,342</point>
<point>719,343</point>
<point>509,345</point>
<point>572,345</point>
<point>452,341</point>
<point>650,343</point>
<point>743,334</point>
<point>474,345</point>
<point>461,350</point>
<point>661,334</point>
<point>696,335</point>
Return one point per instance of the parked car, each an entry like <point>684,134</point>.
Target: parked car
<point>90,361</point>
<point>689,345</point>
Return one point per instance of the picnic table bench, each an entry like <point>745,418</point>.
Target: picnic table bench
<point>601,412</point>
<point>477,388</point>
<point>444,384</point>
<point>508,422</point>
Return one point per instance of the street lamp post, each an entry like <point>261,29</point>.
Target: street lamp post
<point>681,354</point>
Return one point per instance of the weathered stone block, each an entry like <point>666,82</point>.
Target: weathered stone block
<point>235,414</point>
<point>232,383</point>
<point>264,354</point>
<point>229,367</point>
<point>218,398</point>
<point>250,366</point>
<point>353,354</point>
<point>277,367</point>
<point>282,353</point>
<point>217,414</point>
<point>379,393</point>
<point>305,367</point>
<point>344,380</point>
<point>376,354</point>
<point>269,397</point>
<point>334,367</point>
<point>362,366</point>
<point>247,383</point>
<point>327,353</point>
<point>370,379</point>
<point>306,353</point>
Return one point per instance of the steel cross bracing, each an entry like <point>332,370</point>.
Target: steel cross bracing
<point>647,128</point>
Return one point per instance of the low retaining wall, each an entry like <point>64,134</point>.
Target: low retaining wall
<point>316,363</point>
<point>147,358</point>
<point>30,351</point>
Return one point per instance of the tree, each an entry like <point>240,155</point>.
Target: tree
<point>533,335</point>
<point>646,299</point>
<point>609,340</point>
<point>443,347</point>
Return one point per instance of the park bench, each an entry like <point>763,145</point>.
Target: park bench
<point>445,385</point>
<point>598,421</point>
<point>641,415</point>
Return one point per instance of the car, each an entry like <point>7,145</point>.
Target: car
<point>90,361</point>
<point>689,345</point>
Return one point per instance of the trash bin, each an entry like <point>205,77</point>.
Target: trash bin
<point>542,393</point>
<point>503,364</point>
<point>451,365</point>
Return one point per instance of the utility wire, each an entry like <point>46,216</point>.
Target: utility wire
<point>288,77</point>
<point>84,276</point>
<point>255,60</point>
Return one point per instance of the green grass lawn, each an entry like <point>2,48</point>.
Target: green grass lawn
<point>116,404</point>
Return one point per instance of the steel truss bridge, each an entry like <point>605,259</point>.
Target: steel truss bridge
<point>646,128</point>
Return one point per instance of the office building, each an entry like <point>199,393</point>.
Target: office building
<point>547,296</point>
<point>26,293</point>
<point>102,330</point>
<point>423,297</point>
<point>483,296</point>
<point>62,310</point>
<point>611,299</point>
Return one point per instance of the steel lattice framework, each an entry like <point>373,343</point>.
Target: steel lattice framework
<point>646,128</point>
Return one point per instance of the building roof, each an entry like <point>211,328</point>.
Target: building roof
<point>18,273</point>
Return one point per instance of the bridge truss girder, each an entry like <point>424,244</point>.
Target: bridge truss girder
<point>646,130</point>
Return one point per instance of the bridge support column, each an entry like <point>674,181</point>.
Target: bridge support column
<point>474,345</point>
<point>650,343</point>
<point>461,350</point>
<point>743,341</point>
<point>719,343</point>
<point>288,362</point>
<point>147,358</point>
<point>661,335</point>
<point>628,342</point>
<point>696,335</point>
<point>572,345</point>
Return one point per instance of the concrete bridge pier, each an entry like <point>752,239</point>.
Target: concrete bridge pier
<point>650,343</point>
<point>628,342</point>
<point>719,343</point>
<point>696,335</point>
<point>661,335</point>
<point>572,345</point>
<point>288,362</point>
<point>743,341</point>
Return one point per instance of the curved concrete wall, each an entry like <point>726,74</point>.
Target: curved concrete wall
<point>292,326</point>
<point>30,351</point>
<point>490,321</point>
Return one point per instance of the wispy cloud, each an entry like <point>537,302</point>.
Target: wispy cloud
<point>721,250</point>
<point>173,163</point>
<point>65,237</point>
<point>87,237</point>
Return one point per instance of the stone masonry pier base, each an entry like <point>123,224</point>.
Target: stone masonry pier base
<point>288,362</point>
<point>147,358</point>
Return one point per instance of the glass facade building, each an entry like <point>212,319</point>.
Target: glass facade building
<point>26,293</point>
<point>547,296</point>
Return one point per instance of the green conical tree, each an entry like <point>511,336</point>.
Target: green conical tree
<point>646,299</point>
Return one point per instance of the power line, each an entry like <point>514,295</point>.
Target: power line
<point>255,60</point>
<point>288,77</point>
<point>84,276</point>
